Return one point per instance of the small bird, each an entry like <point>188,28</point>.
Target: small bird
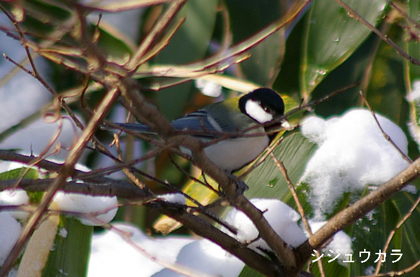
<point>237,126</point>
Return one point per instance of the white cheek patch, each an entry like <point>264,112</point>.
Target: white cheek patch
<point>254,110</point>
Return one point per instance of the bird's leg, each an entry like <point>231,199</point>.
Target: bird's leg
<point>241,186</point>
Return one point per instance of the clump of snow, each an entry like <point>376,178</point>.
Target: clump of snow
<point>414,132</point>
<point>10,230</point>
<point>114,255</point>
<point>205,257</point>
<point>7,166</point>
<point>127,251</point>
<point>15,197</point>
<point>414,95</point>
<point>208,88</point>
<point>370,270</point>
<point>339,245</point>
<point>282,218</point>
<point>176,198</point>
<point>352,153</point>
<point>314,128</point>
<point>103,208</point>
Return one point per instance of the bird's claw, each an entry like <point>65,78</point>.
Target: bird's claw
<point>241,186</point>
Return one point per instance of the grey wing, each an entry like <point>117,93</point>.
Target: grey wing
<point>198,124</point>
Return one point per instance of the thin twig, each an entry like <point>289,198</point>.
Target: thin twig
<point>404,14</point>
<point>66,171</point>
<point>176,267</point>
<point>397,273</point>
<point>38,77</point>
<point>386,136</point>
<point>166,18</point>
<point>367,72</point>
<point>227,37</point>
<point>352,13</point>
<point>126,170</point>
<point>22,37</point>
<point>270,148</point>
<point>314,103</point>
<point>206,184</point>
<point>392,233</point>
<point>301,210</point>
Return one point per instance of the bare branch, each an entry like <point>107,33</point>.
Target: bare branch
<point>97,187</point>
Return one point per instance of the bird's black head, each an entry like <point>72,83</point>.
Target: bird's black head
<point>263,105</point>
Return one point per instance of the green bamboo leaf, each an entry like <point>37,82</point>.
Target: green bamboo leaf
<point>413,48</point>
<point>332,36</point>
<point>250,272</point>
<point>120,6</point>
<point>46,14</point>
<point>117,46</point>
<point>266,56</point>
<point>158,46</point>
<point>23,172</point>
<point>413,71</point>
<point>187,45</point>
<point>266,181</point>
<point>70,255</point>
<point>265,59</point>
<point>348,73</point>
<point>221,60</point>
<point>38,247</point>
<point>287,81</point>
<point>387,88</point>
<point>330,268</point>
<point>377,225</point>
